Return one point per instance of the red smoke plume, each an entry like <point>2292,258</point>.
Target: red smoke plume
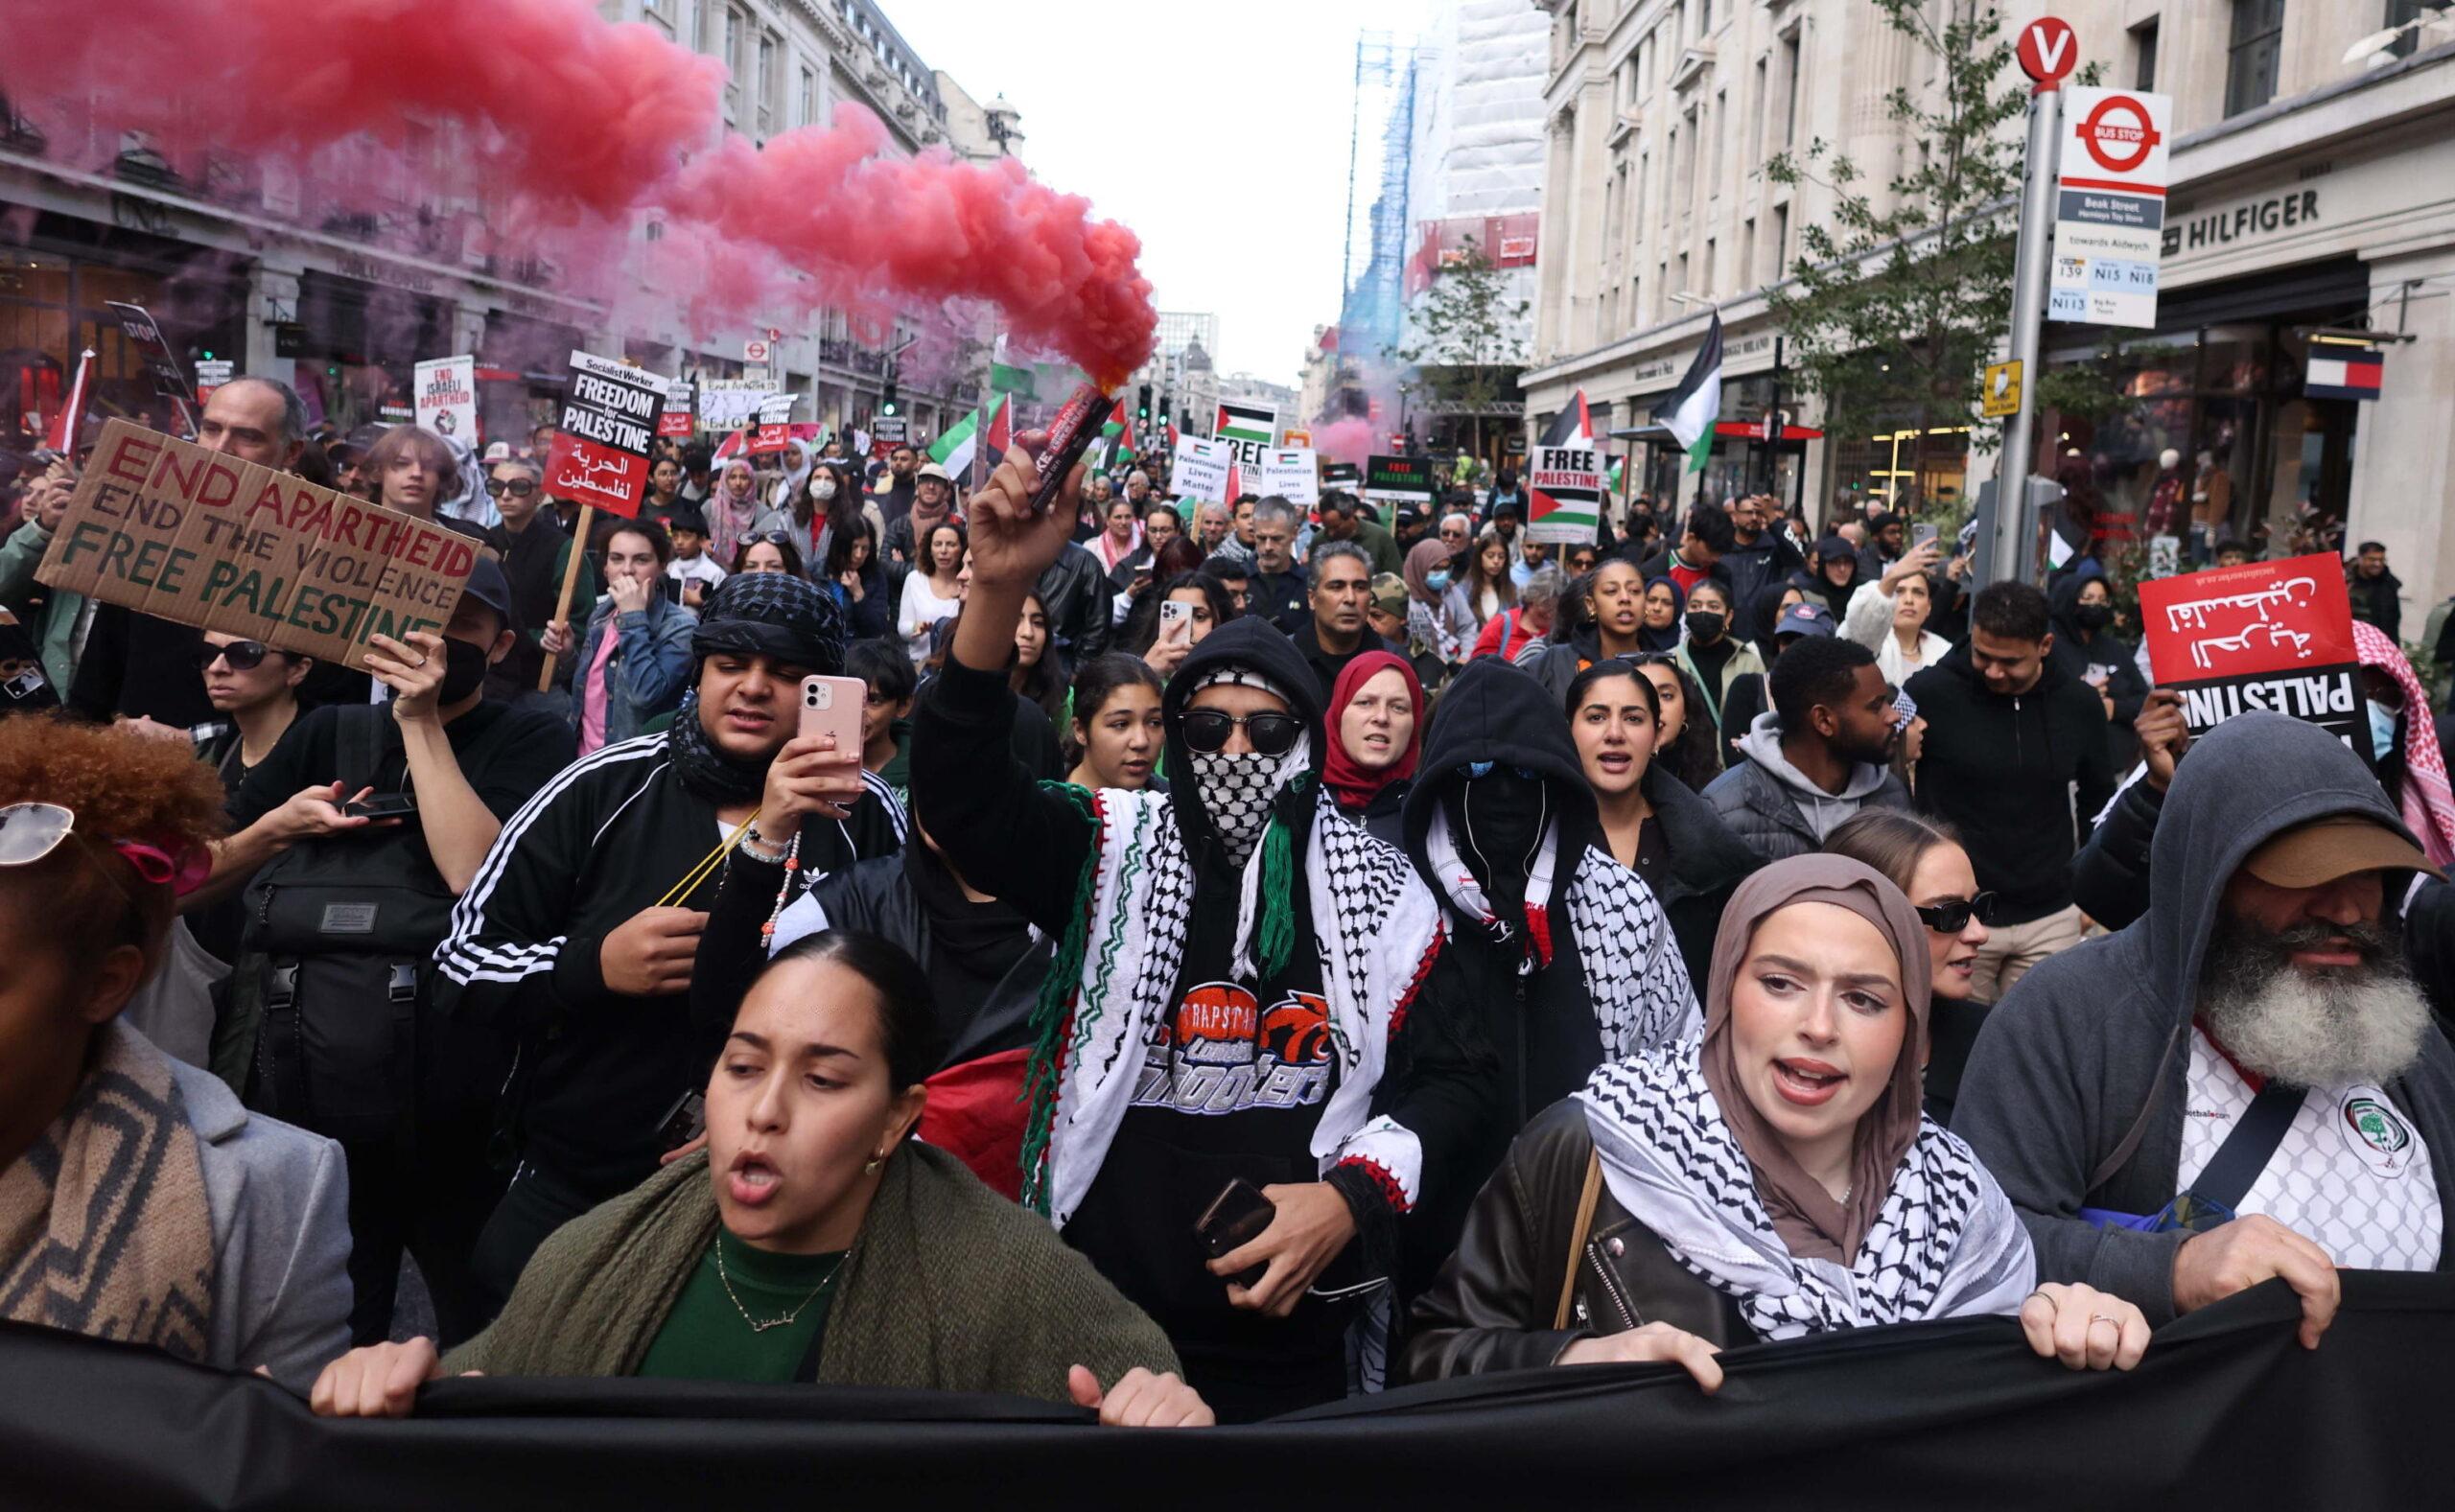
<point>569,124</point>
<point>1348,440</point>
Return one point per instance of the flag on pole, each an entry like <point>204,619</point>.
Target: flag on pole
<point>968,450</point>
<point>1697,402</point>
<point>1618,477</point>
<point>1119,432</point>
<point>61,437</point>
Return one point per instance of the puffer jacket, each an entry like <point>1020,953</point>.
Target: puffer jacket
<point>1762,798</point>
<point>1493,1304</point>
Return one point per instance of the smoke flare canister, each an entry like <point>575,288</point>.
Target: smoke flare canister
<point>1069,435</point>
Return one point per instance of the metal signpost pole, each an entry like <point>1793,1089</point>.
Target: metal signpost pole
<point>2013,552</point>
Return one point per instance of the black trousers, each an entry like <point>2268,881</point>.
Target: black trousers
<point>535,1204</point>
<point>432,1203</point>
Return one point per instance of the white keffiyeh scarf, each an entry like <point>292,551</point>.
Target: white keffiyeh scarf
<point>1946,1242</point>
<point>1374,924</point>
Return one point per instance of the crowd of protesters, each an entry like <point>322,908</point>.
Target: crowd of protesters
<point>1294,952</point>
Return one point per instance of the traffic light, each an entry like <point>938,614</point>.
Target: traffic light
<point>1143,403</point>
<point>888,396</point>
<point>1167,406</point>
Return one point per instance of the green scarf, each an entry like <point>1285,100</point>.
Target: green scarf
<point>950,1288</point>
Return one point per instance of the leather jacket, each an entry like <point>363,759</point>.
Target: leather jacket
<point>1493,1304</point>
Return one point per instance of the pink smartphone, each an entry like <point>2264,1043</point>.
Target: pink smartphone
<point>832,706</point>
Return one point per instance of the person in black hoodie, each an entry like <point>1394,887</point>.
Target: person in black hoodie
<point>2086,646</point>
<point>1233,963</point>
<point>2008,733</point>
<point>1831,576</point>
<point>582,928</point>
<point>1563,955</point>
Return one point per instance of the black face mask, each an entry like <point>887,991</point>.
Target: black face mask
<point>1497,819</point>
<point>1703,624</point>
<point>2092,617</point>
<point>464,670</point>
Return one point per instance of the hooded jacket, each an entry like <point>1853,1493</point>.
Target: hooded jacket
<point>2073,1095</point>
<point>2001,767</point>
<point>1772,806</point>
<point>1766,562</point>
<point>2078,653</point>
<point>1539,1032</point>
<point>1129,1182</point>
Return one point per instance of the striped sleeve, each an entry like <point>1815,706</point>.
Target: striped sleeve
<point>507,950</point>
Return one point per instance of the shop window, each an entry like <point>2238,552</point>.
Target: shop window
<point>2251,55</point>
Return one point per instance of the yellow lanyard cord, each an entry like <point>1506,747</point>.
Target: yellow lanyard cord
<point>707,865</point>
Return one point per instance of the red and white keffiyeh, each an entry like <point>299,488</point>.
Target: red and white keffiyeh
<point>2429,803</point>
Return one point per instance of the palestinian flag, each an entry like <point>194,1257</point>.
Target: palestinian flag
<point>1118,438</point>
<point>1254,423</point>
<point>968,450</point>
<point>1697,402</point>
<point>1564,483</point>
<point>1619,473</point>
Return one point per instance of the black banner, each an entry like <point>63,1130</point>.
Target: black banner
<point>2228,1411</point>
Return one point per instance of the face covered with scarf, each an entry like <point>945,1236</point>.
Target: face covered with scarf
<point>1815,1019</point>
<point>1237,782</point>
<point>760,635</point>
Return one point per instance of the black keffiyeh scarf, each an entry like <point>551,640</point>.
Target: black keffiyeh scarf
<point>774,615</point>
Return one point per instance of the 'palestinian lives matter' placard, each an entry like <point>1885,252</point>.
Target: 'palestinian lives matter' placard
<point>202,538</point>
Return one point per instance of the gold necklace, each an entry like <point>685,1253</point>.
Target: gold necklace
<point>786,1321</point>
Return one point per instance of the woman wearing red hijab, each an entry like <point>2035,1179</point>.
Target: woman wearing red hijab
<point>1375,714</point>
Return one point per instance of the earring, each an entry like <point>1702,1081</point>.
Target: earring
<point>872,1165</point>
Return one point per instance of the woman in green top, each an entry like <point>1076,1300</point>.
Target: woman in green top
<point>811,1241</point>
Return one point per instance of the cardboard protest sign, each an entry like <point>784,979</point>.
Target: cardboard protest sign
<point>162,366</point>
<point>1564,489</point>
<point>1293,474</point>
<point>1401,481</point>
<point>445,391</point>
<point>728,403</point>
<point>600,456</point>
<point>202,538</point>
<point>775,424</point>
<point>2265,634</point>
<point>673,422</point>
<point>1202,469</point>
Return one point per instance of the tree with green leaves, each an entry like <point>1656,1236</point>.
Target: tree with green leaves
<point>1468,354</point>
<point>1899,300</point>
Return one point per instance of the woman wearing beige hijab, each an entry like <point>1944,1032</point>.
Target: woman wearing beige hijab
<point>1770,1179</point>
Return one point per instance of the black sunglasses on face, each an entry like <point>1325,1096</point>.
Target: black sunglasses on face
<point>516,487</point>
<point>1950,919</point>
<point>1207,730</point>
<point>244,656</point>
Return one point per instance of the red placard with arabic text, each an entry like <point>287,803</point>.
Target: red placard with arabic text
<point>2262,636</point>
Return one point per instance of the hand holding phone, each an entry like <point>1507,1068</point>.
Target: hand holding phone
<point>1236,1218</point>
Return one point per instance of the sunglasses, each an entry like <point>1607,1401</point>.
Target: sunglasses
<point>244,656</point>
<point>32,831</point>
<point>1207,730</point>
<point>516,487</point>
<point>1950,919</point>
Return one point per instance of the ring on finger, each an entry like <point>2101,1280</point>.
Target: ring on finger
<point>2094,1319</point>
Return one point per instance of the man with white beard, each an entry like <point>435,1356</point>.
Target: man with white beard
<point>2245,1083</point>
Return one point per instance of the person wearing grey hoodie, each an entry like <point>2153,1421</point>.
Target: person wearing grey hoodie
<point>1819,758</point>
<point>2263,989</point>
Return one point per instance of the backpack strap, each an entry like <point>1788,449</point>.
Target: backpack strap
<point>2248,1147</point>
<point>364,743</point>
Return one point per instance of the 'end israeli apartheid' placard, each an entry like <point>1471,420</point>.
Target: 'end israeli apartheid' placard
<point>2265,635</point>
<point>200,538</point>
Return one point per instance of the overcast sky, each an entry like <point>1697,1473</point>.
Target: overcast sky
<point>1218,133</point>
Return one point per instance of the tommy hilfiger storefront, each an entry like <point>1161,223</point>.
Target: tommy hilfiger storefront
<point>2313,229</point>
